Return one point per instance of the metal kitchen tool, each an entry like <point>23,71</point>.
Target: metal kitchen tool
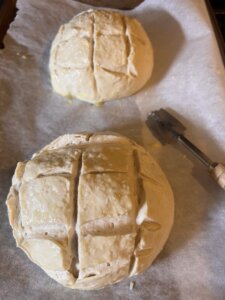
<point>167,128</point>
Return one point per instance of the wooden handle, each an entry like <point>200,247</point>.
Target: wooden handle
<point>218,174</point>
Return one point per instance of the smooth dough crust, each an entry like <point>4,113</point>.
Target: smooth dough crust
<point>100,56</point>
<point>90,209</point>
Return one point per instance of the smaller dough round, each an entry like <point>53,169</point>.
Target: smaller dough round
<point>100,56</point>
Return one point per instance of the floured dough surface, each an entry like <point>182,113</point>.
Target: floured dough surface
<point>99,56</point>
<point>90,209</point>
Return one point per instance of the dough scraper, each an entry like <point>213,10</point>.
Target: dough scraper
<point>166,128</point>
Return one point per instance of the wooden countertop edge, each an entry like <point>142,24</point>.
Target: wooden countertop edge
<point>7,14</point>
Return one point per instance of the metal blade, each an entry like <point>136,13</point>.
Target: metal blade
<point>167,128</point>
<point>164,126</point>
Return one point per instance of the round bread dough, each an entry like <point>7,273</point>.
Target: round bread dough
<point>99,56</point>
<point>91,209</point>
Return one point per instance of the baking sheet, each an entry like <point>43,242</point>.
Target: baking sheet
<point>188,79</point>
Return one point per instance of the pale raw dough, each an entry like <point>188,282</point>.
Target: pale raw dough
<point>99,56</point>
<point>90,209</point>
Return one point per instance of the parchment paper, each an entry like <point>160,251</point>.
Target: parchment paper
<point>188,79</point>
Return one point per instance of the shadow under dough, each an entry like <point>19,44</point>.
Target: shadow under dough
<point>167,39</point>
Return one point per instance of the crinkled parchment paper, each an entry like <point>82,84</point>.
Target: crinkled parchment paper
<point>188,79</point>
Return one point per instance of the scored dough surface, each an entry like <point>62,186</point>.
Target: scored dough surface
<point>99,56</point>
<point>90,209</point>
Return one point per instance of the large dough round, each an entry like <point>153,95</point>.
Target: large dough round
<point>99,56</point>
<point>91,209</point>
